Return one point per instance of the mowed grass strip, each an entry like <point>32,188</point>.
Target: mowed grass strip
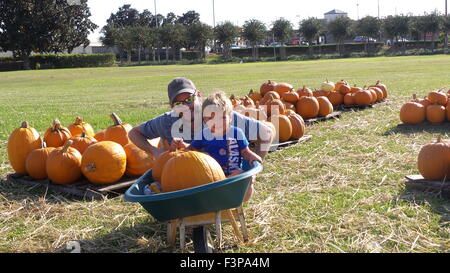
<point>342,191</point>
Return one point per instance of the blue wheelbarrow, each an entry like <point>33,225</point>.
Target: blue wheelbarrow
<point>198,207</point>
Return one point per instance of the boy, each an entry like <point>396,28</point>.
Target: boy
<point>222,141</point>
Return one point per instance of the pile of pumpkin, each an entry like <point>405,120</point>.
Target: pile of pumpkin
<point>64,154</point>
<point>434,160</point>
<point>287,105</point>
<point>435,108</point>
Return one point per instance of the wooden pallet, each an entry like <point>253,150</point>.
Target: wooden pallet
<point>81,188</point>
<point>334,115</point>
<point>278,146</point>
<point>425,124</point>
<point>360,107</point>
<point>417,182</point>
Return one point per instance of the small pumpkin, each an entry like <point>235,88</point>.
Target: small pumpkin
<point>255,96</point>
<point>190,169</point>
<point>283,127</point>
<point>336,98</point>
<point>81,143</point>
<point>382,87</point>
<point>325,106</point>
<point>327,86</point>
<point>304,92</point>
<point>79,126</point>
<point>56,135</point>
<point>35,163</point>
<point>100,136</point>
<point>290,96</point>
<point>21,142</point>
<point>355,89</point>
<point>338,85</point>
<point>378,92</point>
<point>363,97</point>
<point>288,105</point>
<point>160,162</point>
<point>436,113</point>
<point>412,113</point>
<point>298,125</point>
<point>104,162</point>
<point>345,89</point>
<point>438,98</point>
<point>63,164</point>
<point>434,160</point>
<point>349,99</point>
<point>138,161</point>
<point>119,131</point>
<point>320,93</point>
<point>275,107</point>
<point>266,87</point>
<point>283,87</point>
<point>271,95</point>
<point>247,102</point>
<point>307,107</point>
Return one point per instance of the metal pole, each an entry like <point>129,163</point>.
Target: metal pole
<point>446,32</point>
<point>214,26</point>
<point>156,15</point>
<point>357,10</point>
<point>378,9</point>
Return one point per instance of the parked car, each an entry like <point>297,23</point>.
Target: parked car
<point>234,47</point>
<point>363,39</point>
<point>275,44</point>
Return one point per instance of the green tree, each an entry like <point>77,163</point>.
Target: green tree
<point>254,31</point>
<point>396,27</point>
<point>174,36</point>
<point>226,33</point>
<point>310,30</point>
<point>368,27</point>
<point>432,24</point>
<point>199,35</point>
<point>189,18</point>
<point>341,29</point>
<point>446,29</point>
<point>28,26</point>
<point>283,31</point>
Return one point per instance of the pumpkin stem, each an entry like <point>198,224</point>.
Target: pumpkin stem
<point>43,144</point>
<point>439,138</point>
<point>25,124</point>
<point>78,121</point>
<point>83,134</point>
<point>116,119</point>
<point>66,147</point>
<point>56,125</point>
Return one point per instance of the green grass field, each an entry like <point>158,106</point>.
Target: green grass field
<point>343,191</point>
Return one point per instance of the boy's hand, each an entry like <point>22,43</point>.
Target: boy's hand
<point>178,143</point>
<point>251,156</point>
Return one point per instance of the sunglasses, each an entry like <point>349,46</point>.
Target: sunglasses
<point>189,100</point>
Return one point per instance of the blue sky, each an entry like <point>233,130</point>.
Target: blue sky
<point>238,11</point>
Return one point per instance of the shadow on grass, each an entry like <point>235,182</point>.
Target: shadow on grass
<point>438,204</point>
<point>426,127</point>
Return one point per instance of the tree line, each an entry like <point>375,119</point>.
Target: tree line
<point>53,26</point>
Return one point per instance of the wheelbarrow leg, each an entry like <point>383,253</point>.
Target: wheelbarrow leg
<point>243,224</point>
<point>182,235</point>
<point>172,232</point>
<point>219,229</point>
<point>234,225</point>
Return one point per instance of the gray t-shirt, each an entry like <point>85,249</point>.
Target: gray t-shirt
<point>161,126</point>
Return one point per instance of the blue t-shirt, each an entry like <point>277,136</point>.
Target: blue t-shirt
<point>225,149</point>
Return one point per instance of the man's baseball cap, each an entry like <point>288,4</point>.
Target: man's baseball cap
<point>178,86</point>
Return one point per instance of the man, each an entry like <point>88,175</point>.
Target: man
<point>186,118</point>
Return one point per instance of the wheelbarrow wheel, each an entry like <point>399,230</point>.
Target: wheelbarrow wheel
<point>202,240</point>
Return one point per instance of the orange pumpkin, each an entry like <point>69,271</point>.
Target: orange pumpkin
<point>247,102</point>
<point>345,89</point>
<point>56,135</point>
<point>275,107</point>
<point>307,107</point>
<point>336,98</point>
<point>355,89</point>
<point>119,131</point>
<point>298,125</point>
<point>320,93</point>
<point>283,127</point>
<point>21,142</point>
<point>190,169</point>
<point>349,99</point>
<point>104,162</point>
<point>434,160</point>
<point>235,101</point>
<point>282,88</point>
<point>363,97</point>
<point>138,161</point>
<point>79,126</point>
<point>378,92</point>
<point>288,105</point>
<point>382,87</point>
<point>373,94</point>
<point>81,143</point>
<point>255,96</point>
<point>160,162</point>
<point>325,106</point>
<point>266,87</point>
<point>100,136</point>
<point>339,84</point>
<point>35,163</point>
<point>436,113</point>
<point>412,113</point>
<point>438,98</point>
<point>291,96</point>
<point>304,92</point>
<point>63,164</point>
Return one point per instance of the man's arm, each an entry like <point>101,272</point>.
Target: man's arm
<point>141,141</point>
